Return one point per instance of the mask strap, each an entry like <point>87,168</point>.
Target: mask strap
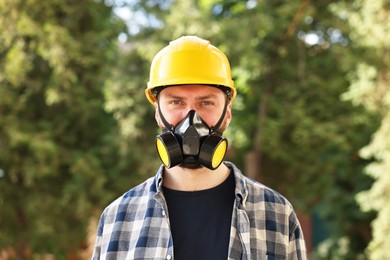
<point>218,124</point>
<point>165,122</point>
<point>213,129</point>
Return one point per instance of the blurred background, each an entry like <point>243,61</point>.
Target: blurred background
<point>311,118</point>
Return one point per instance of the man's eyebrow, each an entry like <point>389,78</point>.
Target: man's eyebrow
<point>174,96</point>
<point>207,97</point>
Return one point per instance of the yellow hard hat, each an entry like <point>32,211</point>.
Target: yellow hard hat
<point>189,60</point>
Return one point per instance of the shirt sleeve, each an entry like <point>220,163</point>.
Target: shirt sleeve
<point>297,246</point>
<point>98,240</point>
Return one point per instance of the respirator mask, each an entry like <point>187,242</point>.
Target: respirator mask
<point>192,143</point>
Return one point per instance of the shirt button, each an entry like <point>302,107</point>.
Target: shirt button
<point>169,257</point>
<point>163,213</point>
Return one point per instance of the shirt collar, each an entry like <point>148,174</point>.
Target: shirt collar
<point>159,178</point>
<point>241,190</point>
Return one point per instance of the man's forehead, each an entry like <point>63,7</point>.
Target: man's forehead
<point>191,89</point>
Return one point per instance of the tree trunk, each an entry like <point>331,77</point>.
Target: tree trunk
<point>253,159</point>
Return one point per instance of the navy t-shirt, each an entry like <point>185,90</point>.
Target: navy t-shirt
<point>200,221</point>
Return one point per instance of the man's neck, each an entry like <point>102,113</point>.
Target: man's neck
<point>184,179</point>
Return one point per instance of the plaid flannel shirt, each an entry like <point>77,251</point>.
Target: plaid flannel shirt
<point>136,225</point>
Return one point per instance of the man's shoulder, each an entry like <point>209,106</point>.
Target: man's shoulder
<point>259,193</point>
<point>267,194</point>
<point>134,197</point>
<point>256,193</point>
<point>141,189</point>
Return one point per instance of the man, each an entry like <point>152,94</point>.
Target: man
<point>197,206</point>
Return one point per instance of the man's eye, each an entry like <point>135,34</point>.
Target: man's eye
<point>175,102</point>
<point>207,103</point>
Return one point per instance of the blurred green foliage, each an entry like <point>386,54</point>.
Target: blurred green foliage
<point>58,145</point>
<point>76,130</point>
<point>371,88</point>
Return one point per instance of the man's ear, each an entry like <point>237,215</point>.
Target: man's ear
<point>228,118</point>
<point>228,114</point>
<point>157,115</point>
